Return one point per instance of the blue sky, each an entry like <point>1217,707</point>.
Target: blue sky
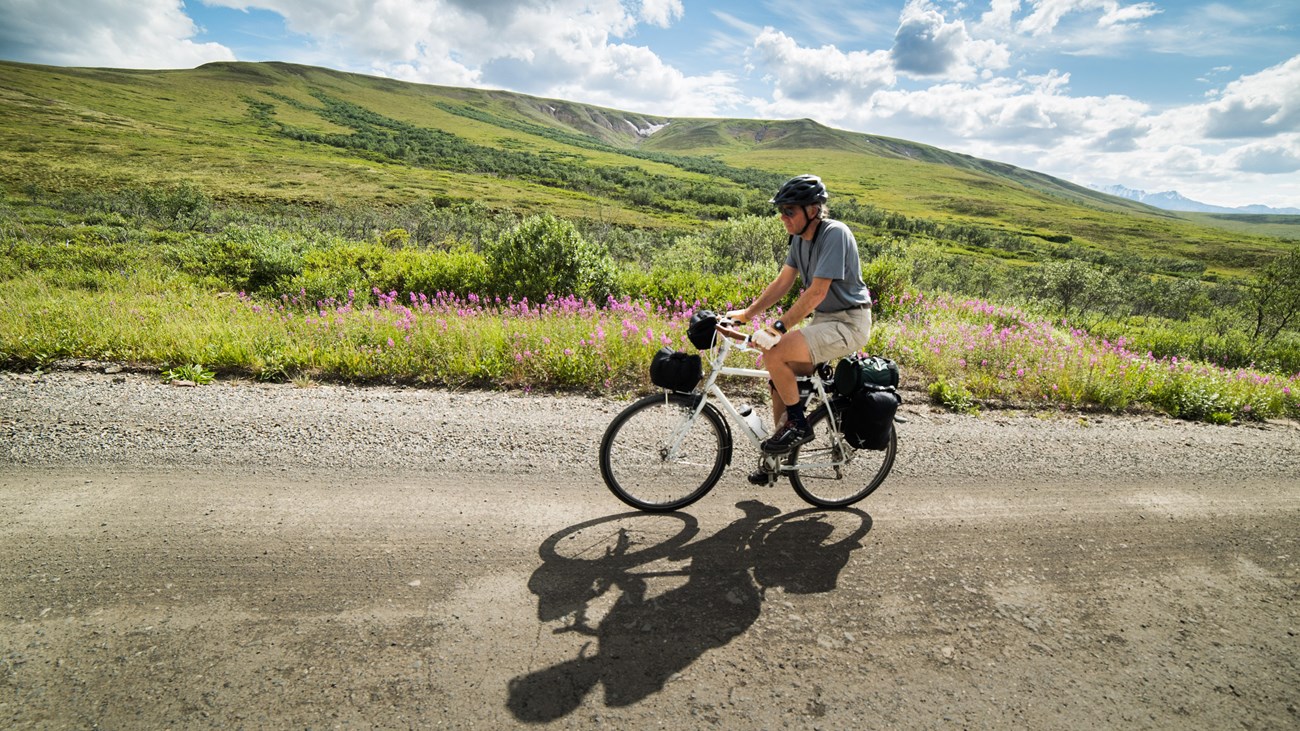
<point>1199,97</point>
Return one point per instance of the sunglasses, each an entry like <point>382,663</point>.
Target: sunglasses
<point>788,211</point>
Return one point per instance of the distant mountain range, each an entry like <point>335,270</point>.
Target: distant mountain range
<point>1172,200</point>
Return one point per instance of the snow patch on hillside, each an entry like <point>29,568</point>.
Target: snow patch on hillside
<point>645,131</point>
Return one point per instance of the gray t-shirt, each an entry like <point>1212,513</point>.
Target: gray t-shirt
<point>833,255</point>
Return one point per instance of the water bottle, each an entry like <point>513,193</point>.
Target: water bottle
<point>755,422</point>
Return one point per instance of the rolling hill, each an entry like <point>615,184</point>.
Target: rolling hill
<point>277,132</point>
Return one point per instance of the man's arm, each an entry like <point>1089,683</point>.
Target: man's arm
<point>771,295</point>
<point>807,302</point>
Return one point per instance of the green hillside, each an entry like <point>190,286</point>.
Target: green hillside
<point>286,222</point>
<point>274,132</point>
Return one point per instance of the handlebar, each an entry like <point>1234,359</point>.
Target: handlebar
<point>727,327</point>
<point>729,330</point>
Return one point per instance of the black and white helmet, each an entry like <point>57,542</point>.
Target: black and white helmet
<point>801,190</point>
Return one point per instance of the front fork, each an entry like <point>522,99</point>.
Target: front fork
<point>697,403</point>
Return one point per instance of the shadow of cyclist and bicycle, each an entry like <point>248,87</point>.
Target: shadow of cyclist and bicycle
<point>605,580</point>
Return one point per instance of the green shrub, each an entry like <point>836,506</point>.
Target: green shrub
<point>660,284</point>
<point>337,270</point>
<point>749,240</point>
<point>545,255</point>
<point>252,259</point>
<point>953,395</point>
<point>193,372</point>
<point>692,254</point>
<point>734,245</point>
<point>460,270</point>
<point>888,277</point>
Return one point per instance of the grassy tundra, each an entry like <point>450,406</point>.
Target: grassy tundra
<point>285,222</point>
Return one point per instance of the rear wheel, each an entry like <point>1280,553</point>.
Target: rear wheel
<point>659,455</point>
<point>830,472</point>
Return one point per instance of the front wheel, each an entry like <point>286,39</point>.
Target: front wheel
<point>829,473</point>
<point>659,455</point>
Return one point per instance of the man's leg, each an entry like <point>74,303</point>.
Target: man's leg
<point>785,362</point>
<point>778,408</point>
<point>788,360</point>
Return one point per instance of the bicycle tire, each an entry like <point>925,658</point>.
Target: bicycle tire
<point>635,449</point>
<point>829,473</point>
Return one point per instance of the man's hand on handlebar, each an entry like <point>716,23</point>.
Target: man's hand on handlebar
<point>764,339</point>
<point>738,316</point>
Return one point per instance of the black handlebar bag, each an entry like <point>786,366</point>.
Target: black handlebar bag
<point>702,329</point>
<point>676,371</point>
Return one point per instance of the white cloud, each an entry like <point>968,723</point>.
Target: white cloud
<point>1048,14</point>
<point>1246,134</point>
<point>1000,14</point>
<point>1240,147</point>
<point>1259,105</point>
<point>1117,14</point>
<point>150,34</point>
<point>661,12</point>
<point>1268,159</point>
<point>1024,117</point>
<point>572,49</point>
<point>860,90</point>
<point>926,44</point>
<point>819,74</point>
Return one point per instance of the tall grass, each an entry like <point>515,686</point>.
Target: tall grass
<point>972,349</point>
<point>966,351</point>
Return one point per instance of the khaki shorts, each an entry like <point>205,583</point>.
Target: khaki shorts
<point>833,335</point>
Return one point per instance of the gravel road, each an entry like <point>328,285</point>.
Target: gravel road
<point>243,555</point>
<point>132,420</point>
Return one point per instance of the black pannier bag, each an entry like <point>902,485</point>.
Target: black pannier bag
<point>860,369</point>
<point>702,329</point>
<point>675,371</point>
<point>867,416</point>
<point>868,399</point>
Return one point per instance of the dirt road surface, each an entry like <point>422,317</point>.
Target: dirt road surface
<point>229,557</point>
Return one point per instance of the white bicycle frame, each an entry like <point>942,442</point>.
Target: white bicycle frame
<point>711,392</point>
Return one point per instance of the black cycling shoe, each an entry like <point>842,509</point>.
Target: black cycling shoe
<point>790,436</point>
<point>762,478</point>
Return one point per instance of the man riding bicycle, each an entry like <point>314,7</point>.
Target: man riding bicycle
<point>824,255</point>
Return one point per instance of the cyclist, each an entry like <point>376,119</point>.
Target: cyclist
<point>823,254</point>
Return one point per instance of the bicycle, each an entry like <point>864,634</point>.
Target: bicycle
<point>667,450</point>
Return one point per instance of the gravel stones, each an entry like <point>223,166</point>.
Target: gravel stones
<point>77,417</point>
